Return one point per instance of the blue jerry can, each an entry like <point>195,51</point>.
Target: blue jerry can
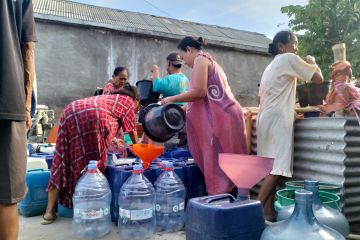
<point>221,217</point>
<point>195,180</point>
<point>35,201</point>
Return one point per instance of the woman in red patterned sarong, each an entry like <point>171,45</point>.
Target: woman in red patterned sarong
<point>87,127</point>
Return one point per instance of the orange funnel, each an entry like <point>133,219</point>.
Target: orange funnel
<point>147,152</point>
<point>245,170</point>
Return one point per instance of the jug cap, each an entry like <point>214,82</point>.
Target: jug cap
<point>169,165</point>
<point>311,183</point>
<point>93,162</point>
<point>303,195</point>
<point>92,166</point>
<point>138,167</point>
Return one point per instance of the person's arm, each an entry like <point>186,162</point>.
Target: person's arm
<point>129,120</point>
<point>155,72</point>
<point>28,54</point>
<point>317,77</point>
<point>328,108</point>
<point>303,70</point>
<point>108,88</point>
<point>200,78</point>
<point>28,39</point>
<point>134,137</point>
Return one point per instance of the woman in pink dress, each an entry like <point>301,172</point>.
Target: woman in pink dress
<point>214,119</point>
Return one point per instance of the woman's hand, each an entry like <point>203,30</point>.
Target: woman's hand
<point>310,60</point>
<point>154,68</point>
<point>328,108</point>
<point>155,72</point>
<point>167,100</point>
<point>120,143</point>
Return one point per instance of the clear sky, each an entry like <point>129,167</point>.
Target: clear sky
<point>262,16</point>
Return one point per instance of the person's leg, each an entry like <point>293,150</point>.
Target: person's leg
<point>53,196</point>
<point>270,212</point>
<point>267,194</point>
<point>9,222</point>
<point>12,176</point>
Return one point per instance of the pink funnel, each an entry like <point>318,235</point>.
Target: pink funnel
<point>245,170</point>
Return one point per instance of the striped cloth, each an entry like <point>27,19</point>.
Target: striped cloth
<point>86,129</point>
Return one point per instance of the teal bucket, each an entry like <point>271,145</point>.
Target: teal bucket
<point>65,212</point>
<point>285,197</point>
<point>325,187</point>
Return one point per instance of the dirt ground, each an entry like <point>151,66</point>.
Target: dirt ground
<point>31,229</point>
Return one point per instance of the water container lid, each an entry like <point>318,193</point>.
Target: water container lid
<point>169,164</point>
<point>302,195</point>
<point>311,183</point>
<point>92,166</point>
<point>93,162</point>
<point>138,167</point>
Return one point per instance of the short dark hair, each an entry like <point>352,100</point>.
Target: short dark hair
<point>128,90</point>
<point>191,42</point>
<point>120,69</point>
<point>281,37</point>
<point>174,59</point>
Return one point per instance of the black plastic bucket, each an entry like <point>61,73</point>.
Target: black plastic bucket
<point>147,95</point>
<point>312,94</point>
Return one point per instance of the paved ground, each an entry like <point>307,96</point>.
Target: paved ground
<point>31,229</point>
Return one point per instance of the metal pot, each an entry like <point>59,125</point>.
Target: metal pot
<point>161,122</point>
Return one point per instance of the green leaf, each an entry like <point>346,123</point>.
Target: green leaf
<point>323,23</point>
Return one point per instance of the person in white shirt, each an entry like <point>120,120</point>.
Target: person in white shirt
<point>275,121</point>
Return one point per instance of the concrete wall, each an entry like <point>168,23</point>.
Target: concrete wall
<point>71,61</point>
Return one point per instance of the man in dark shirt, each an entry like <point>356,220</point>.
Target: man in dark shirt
<point>17,69</point>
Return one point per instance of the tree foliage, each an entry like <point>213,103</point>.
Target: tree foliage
<point>322,23</point>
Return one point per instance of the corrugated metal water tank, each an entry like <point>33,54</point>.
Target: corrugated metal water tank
<point>328,150</point>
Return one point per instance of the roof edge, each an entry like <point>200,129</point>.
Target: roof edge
<point>144,32</point>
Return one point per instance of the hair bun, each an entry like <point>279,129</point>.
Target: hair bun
<point>202,41</point>
<point>271,49</point>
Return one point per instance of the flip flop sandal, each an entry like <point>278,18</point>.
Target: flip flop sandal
<point>47,221</point>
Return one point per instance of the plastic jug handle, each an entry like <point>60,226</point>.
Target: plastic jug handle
<point>219,198</point>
